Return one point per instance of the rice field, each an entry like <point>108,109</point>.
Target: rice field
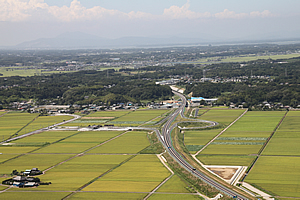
<point>79,142</point>
<point>174,185</point>
<point>9,125</point>
<point>44,137</point>
<point>277,174</point>
<point>141,174</point>
<point>247,135</point>
<point>174,197</point>
<point>107,196</point>
<point>42,122</point>
<point>30,161</point>
<point>138,117</point>
<point>230,160</point>
<point>116,113</point>
<point>33,195</point>
<point>131,142</point>
<point>278,169</point>
<point>194,140</point>
<point>223,116</point>
<point>79,171</point>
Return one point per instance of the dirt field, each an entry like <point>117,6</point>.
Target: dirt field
<point>225,173</point>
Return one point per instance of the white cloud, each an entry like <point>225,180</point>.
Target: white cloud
<point>17,10</point>
<point>21,10</point>
<point>176,12</point>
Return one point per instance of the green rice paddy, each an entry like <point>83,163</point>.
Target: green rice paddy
<point>279,175</point>
<point>247,135</point>
<point>223,116</point>
<point>9,125</point>
<point>107,196</point>
<point>174,185</point>
<point>141,174</point>
<point>131,142</point>
<point>232,160</point>
<point>174,197</point>
<point>138,117</point>
<point>33,195</point>
<point>30,161</point>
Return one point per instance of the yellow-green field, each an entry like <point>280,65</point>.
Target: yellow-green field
<point>244,58</point>
<point>9,125</point>
<point>278,169</point>
<point>141,174</point>
<point>277,174</point>
<point>138,117</point>
<point>44,121</point>
<point>247,135</point>
<point>131,142</point>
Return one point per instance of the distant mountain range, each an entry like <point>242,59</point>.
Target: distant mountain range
<point>79,40</point>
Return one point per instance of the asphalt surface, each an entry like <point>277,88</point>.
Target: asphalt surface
<point>42,129</point>
<point>167,142</point>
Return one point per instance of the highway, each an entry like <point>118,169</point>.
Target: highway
<point>167,142</point>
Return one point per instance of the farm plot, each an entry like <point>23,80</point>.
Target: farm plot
<point>33,195</point>
<point>99,118</point>
<point>232,160</point>
<point>43,121</point>
<point>9,125</point>
<point>140,174</point>
<point>107,196</point>
<point>194,140</point>
<point>137,118</point>
<point>106,114</point>
<point>15,150</point>
<point>247,135</point>
<point>43,138</point>
<point>131,142</point>
<point>30,161</point>
<point>174,185</point>
<point>277,174</point>
<point>77,172</point>
<point>174,197</point>
<point>79,143</point>
<point>223,116</point>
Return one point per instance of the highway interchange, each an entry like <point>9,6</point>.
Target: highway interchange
<point>167,142</point>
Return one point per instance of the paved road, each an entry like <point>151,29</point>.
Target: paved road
<point>167,142</point>
<point>42,129</point>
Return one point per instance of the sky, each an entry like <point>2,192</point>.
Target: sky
<point>25,20</point>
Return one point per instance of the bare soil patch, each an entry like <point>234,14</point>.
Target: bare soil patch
<point>225,173</point>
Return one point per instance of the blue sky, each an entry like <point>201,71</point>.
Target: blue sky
<point>24,20</point>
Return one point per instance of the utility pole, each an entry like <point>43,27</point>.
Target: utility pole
<point>204,75</point>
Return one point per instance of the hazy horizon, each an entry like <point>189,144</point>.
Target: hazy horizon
<point>26,20</point>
